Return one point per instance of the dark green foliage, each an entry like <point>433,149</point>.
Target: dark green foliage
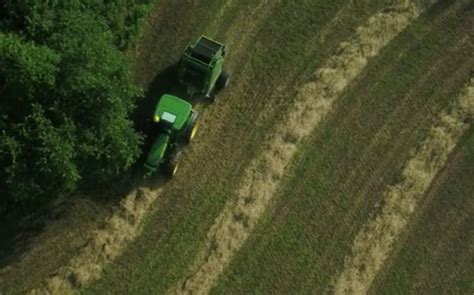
<point>25,63</point>
<point>66,94</point>
<point>38,18</point>
<point>38,157</point>
<point>126,18</point>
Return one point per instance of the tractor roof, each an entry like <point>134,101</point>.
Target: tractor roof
<point>204,49</point>
<point>174,110</point>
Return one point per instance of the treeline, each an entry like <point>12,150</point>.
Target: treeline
<point>66,95</point>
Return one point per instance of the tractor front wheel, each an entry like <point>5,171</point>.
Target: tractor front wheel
<point>212,96</point>
<point>192,128</point>
<point>172,164</point>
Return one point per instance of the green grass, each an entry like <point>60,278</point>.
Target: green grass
<point>263,87</point>
<point>345,166</point>
<point>436,255</point>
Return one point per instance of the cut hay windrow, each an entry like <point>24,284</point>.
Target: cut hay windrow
<point>261,179</point>
<point>374,243</point>
<point>104,246</point>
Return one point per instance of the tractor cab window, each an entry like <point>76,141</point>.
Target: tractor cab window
<point>165,124</point>
<point>169,117</point>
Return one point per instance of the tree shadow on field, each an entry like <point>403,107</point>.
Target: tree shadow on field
<point>36,233</point>
<point>16,236</point>
<point>161,84</point>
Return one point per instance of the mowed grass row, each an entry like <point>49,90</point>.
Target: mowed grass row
<point>337,183</point>
<point>265,78</point>
<point>436,255</point>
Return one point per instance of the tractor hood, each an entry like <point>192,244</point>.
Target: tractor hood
<point>158,150</point>
<point>173,110</point>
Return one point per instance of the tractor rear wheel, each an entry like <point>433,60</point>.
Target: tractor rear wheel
<point>223,80</point>
<point>172,164</point>
<point>191,128</point>
<point>212,96</point>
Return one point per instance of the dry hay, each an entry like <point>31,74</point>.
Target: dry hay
<point>261,179</point>
<point>104,246</point>
<point>374,243</point>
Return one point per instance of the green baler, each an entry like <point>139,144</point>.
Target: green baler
<point>174,125</point>
<point>201,68</point>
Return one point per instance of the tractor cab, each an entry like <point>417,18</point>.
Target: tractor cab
<point>201,67</point>
<point>174,125</point>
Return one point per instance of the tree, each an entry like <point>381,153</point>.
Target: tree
<point>67,93</point>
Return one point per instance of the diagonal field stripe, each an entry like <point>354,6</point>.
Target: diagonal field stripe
<point>261,179</point>
<point>374,243</point>
<point>104,245</point>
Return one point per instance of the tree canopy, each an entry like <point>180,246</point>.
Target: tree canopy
<point>66,95</point>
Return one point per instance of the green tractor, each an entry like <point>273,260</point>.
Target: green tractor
<point>174,126</point>
<point>201,68</point>
<point>201,73</point>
